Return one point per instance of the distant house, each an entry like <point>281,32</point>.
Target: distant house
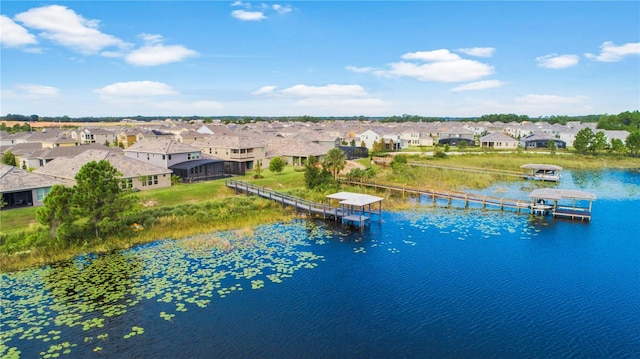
<point>20,188</point>
<point>354,152</point>
<point>456,141</point>
<point>541,141</point>
<point>135,174</point>
<point>499,141</point>
<point>294,151</point>
<point>393,140</point>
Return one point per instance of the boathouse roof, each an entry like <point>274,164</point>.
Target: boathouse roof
<point>538,166</point>
<point>355,199</point>
<point>558,194</point>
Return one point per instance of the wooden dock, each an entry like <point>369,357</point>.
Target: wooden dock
<point>449,196</point>
<point>353,209</point>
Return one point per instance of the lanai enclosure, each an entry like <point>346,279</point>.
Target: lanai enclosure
<point>541,172</point>
<point>567,203</point>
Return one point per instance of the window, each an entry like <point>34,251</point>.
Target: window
<point>126,183</point>
<point>150,180</point>
<point>41,193</point>
<point>169,157</point>
<point>155,179</point>
<point>164,157</point>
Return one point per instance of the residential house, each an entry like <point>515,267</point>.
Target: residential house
<point>323,139</point>
<point>97,135</point>
<point>499,141</point>
<point>240,152</point>
<point>21,188</point>
<point>541,141</point>
<point>393,140</point>
<point>186,161</point>
<point>135,174</point>
<point>127,137</point>
<point>293,151</point>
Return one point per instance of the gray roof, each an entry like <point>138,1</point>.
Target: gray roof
<point>13,179</point>
<point>497,136</point>
<point>162,146</point>
<point>129,167</point>
<point>294,147</point>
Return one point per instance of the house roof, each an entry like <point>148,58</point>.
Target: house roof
<point>163,146</point>
<point>129,167</point>
<point>231,142</point>
<point>13,179</point>
<point>294,147</point>
<point>497,136</point>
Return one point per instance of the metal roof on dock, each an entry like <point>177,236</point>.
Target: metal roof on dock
<point>355,199</point>
<point>558,194</point>
<point>538,166</point>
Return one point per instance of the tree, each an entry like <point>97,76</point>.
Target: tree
<point>617,146</point>
<point>9,159</point>
<point>599,142</point>
<point>57,210</point>
<point>334,161</point>
<point>633,143</point>
<point>175,180</point>
<point>551,146</point>
<point>582,142</point>
<point>462,145</point>
<point>353,143</point>
<point>276,165</point>
<point>97,194</point>
<point>257,171</point>
<point>314,174</point>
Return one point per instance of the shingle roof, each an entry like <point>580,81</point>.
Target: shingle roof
<point>13,179</point>
<point>129,167</point>
<point>162,146</point>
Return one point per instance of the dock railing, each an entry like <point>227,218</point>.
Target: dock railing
<point>285,198</point>
<point>435,194</point>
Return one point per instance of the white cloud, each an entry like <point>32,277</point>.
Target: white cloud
<point>325,91</point>
<point>478,85</point>
<point>359,69</point>
<point>442,66</point>
<point>445,71</point>
<point>281,9</point>
<point>432,56</point>
<point>478,51</point>
<point>264,90</point>
<point>248,15</point>
<point>14,35</point>
<point>32,92</point>
<point>135,89</point>
<point>534,99</point>
<point>63,26</point>
<point>612,53</point>
<point>555,61</point>
<point>153,55</point>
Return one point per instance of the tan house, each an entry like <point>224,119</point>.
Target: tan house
<point>135,174</point>
<point>244,151</point>
<point>499,141</point>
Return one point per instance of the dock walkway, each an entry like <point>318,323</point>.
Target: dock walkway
<point>354,208</point>
<point>449,196</point>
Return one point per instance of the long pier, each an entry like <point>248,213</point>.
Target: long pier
<point>449,196</point>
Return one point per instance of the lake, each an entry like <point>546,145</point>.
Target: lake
<point>428,282</point>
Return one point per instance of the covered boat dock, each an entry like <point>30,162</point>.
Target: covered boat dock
<point>356,208</point>
<point>541,172</point>
<point>579,206</point>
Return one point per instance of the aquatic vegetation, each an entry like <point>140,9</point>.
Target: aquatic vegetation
<point>50,305</point>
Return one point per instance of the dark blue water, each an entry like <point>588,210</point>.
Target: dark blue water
<point>431,282</point>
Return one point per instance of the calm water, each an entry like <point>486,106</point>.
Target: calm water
<point>429,282</point>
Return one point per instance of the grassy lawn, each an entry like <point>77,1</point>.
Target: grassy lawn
<point>17,220</point>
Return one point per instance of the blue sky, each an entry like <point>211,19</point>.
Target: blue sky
<point>328,58</point>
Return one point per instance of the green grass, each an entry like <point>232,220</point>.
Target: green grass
<point>16,220</point>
